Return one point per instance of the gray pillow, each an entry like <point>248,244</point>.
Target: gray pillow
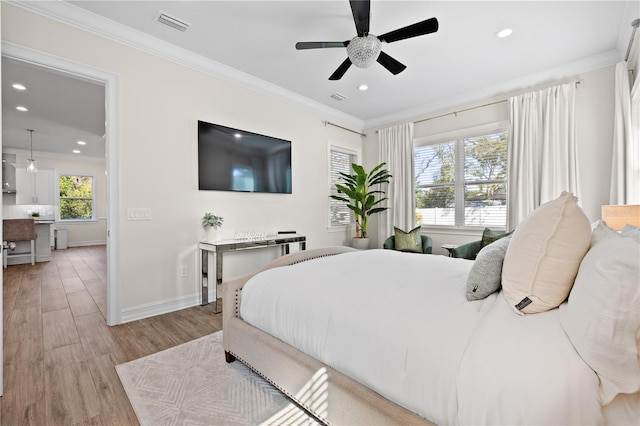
<point>486,272</point>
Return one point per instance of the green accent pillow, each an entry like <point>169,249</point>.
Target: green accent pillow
<point>489,236</point>
<point>485,276</point>
<point>408,241</point>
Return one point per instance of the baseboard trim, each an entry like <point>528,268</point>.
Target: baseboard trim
<point>87,243</point>
<point>162,307</point>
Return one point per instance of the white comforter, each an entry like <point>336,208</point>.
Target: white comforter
<point>400,324</point>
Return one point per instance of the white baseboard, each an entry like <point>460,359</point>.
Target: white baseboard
<point>163,307</point>
<point>87,243</point>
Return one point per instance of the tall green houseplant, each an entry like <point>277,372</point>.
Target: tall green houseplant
<point>356,191</point>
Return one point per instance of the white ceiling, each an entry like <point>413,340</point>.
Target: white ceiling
<point>62,111</point>
<point>253,42</point>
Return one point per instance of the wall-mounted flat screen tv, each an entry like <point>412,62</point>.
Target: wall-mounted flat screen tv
<point>236,160</point>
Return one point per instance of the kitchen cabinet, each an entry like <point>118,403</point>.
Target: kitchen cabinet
<point>8,173</point>
<point>35,187</point>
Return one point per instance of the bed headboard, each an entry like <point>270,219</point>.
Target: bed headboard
<point>618,216</point>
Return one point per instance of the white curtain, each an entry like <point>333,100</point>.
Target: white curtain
<point>396,149</point>
<point>542,149</point>
<point>625,164</point>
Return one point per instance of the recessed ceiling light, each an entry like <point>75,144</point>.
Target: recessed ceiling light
<point>363,87</point>
<point>19,86</point>
<point>505,32</point>
<point>21,108</point>
<point>76,151</point>
<point>237,135</point>
<point>81,143</point>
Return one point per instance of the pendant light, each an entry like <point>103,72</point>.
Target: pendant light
<point>31,166</point>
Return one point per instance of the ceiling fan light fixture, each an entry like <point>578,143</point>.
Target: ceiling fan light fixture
<point>364,51</point>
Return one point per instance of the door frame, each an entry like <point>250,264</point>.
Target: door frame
<point>110,81</point>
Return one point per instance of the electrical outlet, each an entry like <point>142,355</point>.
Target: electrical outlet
<point>183,271</point>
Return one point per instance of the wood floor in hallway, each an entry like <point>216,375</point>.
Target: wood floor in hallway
<point>59,353</point>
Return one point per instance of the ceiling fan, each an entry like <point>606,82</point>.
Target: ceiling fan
<point>364,49</point>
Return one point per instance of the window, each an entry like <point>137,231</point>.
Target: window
<point>462,182</point>
<point>340,160</point>
<point>76,197</point>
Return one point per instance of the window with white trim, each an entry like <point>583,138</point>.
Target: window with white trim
<point>462,181</point>
<point>340,160</point>
<point>76,197</point>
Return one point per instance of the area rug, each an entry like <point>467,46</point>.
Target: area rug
<point>191,384</point>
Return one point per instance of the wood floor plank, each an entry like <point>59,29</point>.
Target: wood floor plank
<point>23,369</point>
<point>96,286</point>
<point>55,299</point>
<point>70,395</point>
<point>82,303</point>
<point>95,335</point>
<point>101,302</point>
<point>72,284</point>
<point>59,329</point>
<point>60,355</point>
<point>29,293</point>
<point>86,274</point>
<point>52,282</point>
<point>116,408</point>
<point>134,341</point>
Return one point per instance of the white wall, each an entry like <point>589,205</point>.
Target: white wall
<point>594,122</point>
<point>160,104</point>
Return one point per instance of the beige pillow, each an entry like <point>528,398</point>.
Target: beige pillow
<point>544,255</point>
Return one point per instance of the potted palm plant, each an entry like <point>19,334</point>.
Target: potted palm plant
<point>356,190</point>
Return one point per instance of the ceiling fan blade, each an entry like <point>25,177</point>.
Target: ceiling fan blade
<point>421,28</point>
<point>391,64</point>
<point>320,44</point>
<point>337,74</point>
<point>361,10</point>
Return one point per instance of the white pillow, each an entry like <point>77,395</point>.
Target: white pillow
<point>544,255</point>
<point>602,316</point>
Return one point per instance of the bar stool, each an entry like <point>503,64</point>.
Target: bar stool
<point>18,230</point>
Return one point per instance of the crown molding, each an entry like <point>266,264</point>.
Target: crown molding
<point>88,21</point>
<point>85,20</point>
<point>503,89</point>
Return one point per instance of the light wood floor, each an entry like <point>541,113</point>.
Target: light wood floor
<point>59,354</point>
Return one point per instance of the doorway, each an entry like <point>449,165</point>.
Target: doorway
<point>109,83</point>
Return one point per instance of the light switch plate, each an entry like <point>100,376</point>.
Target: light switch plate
<point>138,214</point>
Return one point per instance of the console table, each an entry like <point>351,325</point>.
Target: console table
<point>218,248</point>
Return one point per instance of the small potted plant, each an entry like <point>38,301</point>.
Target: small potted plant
<point>211,223</point>
<point>356,191</point>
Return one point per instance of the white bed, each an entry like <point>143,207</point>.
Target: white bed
<point>436,354</point>
<point>384,337</point>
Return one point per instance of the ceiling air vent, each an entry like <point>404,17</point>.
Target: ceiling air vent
<point>338,96</point>
<point>175,23</point>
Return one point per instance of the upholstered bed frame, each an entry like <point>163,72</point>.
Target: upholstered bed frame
<point>330,396</point>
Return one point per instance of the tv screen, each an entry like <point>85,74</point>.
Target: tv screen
<point>236,160</point>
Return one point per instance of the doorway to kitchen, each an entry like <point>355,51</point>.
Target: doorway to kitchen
<point>106,216</point>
